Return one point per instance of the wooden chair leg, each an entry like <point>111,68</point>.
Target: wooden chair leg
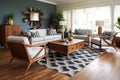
<point>28,68</point>
<point>100,47</point>
<point>46,59</point>
<point>10,60</point>
<point>91,45</point>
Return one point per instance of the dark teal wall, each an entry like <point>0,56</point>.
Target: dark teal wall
<point>19,6</point>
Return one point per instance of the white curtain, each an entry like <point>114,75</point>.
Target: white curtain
<point>85,18</point>
<point>116,14</point>
<point>68,19</point>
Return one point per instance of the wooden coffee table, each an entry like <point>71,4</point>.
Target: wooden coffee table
<point>65,47</point>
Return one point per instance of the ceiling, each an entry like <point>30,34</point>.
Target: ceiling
<point>56,2</point>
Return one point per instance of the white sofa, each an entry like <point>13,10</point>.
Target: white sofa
<point>82,34</point>
<point>43,36</point>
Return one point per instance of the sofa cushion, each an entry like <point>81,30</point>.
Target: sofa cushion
<point>34,50</point>
<point>38,39</point>
<point>97,41</point>
<point>79,36</point>
<point>49,37</point>
<point>57,37</point>
<point>42,32</point>
<point>76,31</point>
<point>85,37</point>
<point>82,34</point>
<point>18,39</point>
<point>107,33</point>
<point>83,31</point>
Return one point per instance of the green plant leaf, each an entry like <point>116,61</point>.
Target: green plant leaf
<point>118,22</point>
<point>10,16</point>
<point>56,18</point>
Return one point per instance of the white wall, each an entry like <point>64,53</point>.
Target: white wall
<point>85,4</point>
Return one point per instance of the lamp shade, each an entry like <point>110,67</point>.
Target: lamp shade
<point>100,23</point>
<point>61,22</point>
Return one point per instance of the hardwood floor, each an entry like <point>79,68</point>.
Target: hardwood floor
<point>16,69</point>
<point>106,67</point>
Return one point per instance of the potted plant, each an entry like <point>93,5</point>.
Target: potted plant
<point>9,18</point>
<point>118,22</point>
<point>55,20</point>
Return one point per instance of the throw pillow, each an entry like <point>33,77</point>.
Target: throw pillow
<point>76,31</point>
<point>52,32</point>
<point>81,32</point>
<point>107,33</point>
<point>26,33</point>
<point>35,34</point>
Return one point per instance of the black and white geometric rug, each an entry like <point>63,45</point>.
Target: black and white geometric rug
<point>77,60</point>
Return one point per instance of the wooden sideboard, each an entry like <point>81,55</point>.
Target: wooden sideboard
<point>7,30</point>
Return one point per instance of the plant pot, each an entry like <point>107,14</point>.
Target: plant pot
<point>10,21</point>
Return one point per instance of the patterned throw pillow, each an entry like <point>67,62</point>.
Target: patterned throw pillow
<point>35,34</point>
<point>52,32</point>
<point>76,31</point>
<point>107,33</point>
<point>81,32</point>
<point>26,33</point>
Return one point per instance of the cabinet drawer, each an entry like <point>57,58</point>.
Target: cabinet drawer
<point>72,48</point>
<point>15,31</point>
<point>80,45</point>
<point>58,48</point>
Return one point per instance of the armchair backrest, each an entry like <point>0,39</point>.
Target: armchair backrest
<point>17,47</point>
<point>112,38</point>
<point>18,39</point>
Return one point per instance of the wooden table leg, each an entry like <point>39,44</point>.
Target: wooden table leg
<point>49,51</point>
<point>67,57</point>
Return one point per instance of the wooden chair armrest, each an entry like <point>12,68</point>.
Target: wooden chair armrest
<point>35,45</point>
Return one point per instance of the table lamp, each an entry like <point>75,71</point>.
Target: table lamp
<point>62,23</point>
<point>100,24</point>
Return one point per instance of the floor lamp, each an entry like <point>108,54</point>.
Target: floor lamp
<point>62,23</point>
<point>100,24</point>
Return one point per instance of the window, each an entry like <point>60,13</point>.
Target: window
<point>116,14</point>
<point>67,17</point>
<point>86,18</point>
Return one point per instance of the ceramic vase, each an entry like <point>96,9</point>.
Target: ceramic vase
<point>10,21</point>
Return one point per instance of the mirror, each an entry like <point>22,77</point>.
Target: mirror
<point>33,17</point>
